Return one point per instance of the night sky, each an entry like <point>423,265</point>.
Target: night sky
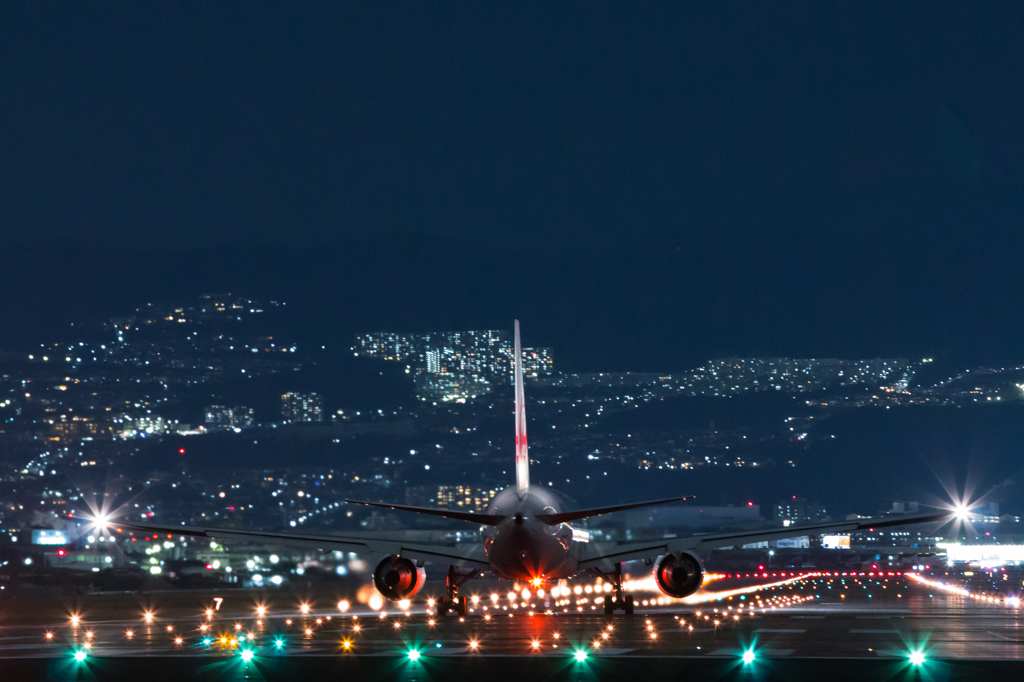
<point>645,185</point>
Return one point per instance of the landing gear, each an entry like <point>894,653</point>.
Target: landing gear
<point>618,600</point>
<point>457,604</point>
<point>453,602</point>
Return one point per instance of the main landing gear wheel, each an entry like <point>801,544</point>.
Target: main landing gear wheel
<point>458,605</point>
<point>618,601</point>
<point>453,602</point>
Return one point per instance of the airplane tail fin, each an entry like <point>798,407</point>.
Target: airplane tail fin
<point>522,458</point>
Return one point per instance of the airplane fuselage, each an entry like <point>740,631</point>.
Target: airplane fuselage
<point>521,546</point>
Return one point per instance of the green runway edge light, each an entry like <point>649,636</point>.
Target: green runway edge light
<point>414,655</point>
<point>748,656</point>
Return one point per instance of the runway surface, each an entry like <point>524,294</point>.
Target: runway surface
<point>901,622</point>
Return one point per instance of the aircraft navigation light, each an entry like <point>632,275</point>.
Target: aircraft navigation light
<point>581,655</point>
<point>748,657</point>
<point>246,655</point>
<point>80,656</point>
<point>414,655</point>
<point>917,658</point>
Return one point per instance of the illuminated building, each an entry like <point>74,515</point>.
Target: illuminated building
<point>798,510</point>
<point>302,407</point>
<point>474,498</point>
<point>449,387</point>
<point>234,418</point>
<point>486,354</point>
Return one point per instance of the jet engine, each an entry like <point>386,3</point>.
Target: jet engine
<point>398,578</point>
<point>678,575</point>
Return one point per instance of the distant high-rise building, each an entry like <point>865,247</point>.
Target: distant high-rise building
<point>798,510</point>
<point>234,418</point>
<point>302,407</point>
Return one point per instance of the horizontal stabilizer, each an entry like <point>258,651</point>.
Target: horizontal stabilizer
<point>565,517</point>
<point>485,519</point>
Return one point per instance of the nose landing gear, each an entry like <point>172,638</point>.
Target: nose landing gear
<point>453,602</point>
<point>617,601</point>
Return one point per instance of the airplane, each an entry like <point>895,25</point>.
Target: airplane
<point>528,537</point>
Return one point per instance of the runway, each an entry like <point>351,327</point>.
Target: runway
<point>897,622</point>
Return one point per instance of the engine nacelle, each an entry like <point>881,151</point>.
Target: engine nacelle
<point>398,578</point>
<point>678,577</point>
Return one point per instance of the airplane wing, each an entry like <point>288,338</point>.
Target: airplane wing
<point>606,554</point>
<point>441,552</point>
<point>565,517</point>
<point>483,519</point>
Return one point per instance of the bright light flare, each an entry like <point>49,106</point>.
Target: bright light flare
<point>75,621</point>
<point>261,610</point>
<point>748,656</point>
<point>343,605</point>
<point>80,656</point>
<point>247,655</point>
<point>148,617</point>
<point>304,608</point>
<point>580,655</point>
<point>414,655</point>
